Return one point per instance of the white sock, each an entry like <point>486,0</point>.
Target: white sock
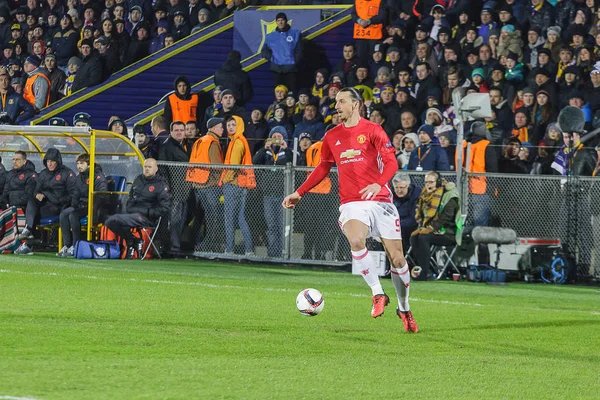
<point>401,281</point>
<point>364,262</point>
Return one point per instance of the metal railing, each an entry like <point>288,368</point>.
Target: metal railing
<point>534,206</point>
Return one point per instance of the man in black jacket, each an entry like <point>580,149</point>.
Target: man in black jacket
<point>174,150</point>
<point>19,182</point>
<point>231,76</point>
<point>91,72</point>
<point>54,190</point>
<point>148,201</point>
<point>70,217</point>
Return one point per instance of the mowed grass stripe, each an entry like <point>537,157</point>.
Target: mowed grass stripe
<point>95,330</point>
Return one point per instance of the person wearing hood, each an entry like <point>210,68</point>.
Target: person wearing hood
<point>54,191</point>
<point>256,130</point>
<point>181,28</point>
<point>437,215</point>
<point>235,183</point>
<point>205,181</point>
<point>280,118</point>
<point>20,182</point>
<point>232,76</point>
<point>319,89</point>
<point>429,156</point>
<point>410,142</point>
<point>149,199</point>
<point>406,195</point>
<point>37,87</point>
<point>145,143</point>
<point>203,20</point>
<point>275,152</point>
<point>182,105</point>
<point>70,217</point>
<point>91,72</point>
<point>283,48</point>
<point>64,42</point>
<point>13,104</point>
<point>140,44</point>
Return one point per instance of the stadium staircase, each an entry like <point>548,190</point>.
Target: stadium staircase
<point>322,49</point>
<point>138,86</point>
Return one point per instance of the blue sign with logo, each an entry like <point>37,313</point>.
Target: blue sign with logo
<point>250,27</point>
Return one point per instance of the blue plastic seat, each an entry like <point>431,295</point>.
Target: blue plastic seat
<point>49,220</point>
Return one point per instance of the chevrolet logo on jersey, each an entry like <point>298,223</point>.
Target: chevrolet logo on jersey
<point>351,153</point>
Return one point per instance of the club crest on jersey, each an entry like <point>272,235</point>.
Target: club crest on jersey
<point>361,139</point>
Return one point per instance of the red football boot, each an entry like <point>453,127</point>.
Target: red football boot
<point>379,302</point>
<point>410,325</point>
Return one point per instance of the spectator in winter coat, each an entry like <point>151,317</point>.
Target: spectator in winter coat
<point>64,42</point>
<point>109,56</point>
<point>91,72</point>
<point>181,28</point>
<point>54,191</point>
<point>256,130</point>
<point>173,149</point>
<point>410,142</point>
<point>203,20</point>
<point>539,13</point>
<point>429,156</point>
<point>275,152</point>
<point>13,105</point>
<point>144,142</point>
<point>280,119</point>
<point>139,46</point>
<point>70,217</point>
<point>19,183</point>
<point>406,195</point>
<point>231,76</point>
<point>56,76</point>
<point>283,48</point>
<point>310,124</point>
<point>212,110</point>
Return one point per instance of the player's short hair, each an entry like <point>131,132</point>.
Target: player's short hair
<point>401,177</point>
<point>191,122</point>
<point>354,95</point>
<point>84,157</point>
<point>350,44</point>
<point>22,154</point>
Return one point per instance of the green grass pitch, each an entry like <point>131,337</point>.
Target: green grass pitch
<point>76,329</point>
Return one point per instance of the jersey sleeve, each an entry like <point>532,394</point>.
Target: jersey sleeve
<point>326,154</point>
<point>384,146</point>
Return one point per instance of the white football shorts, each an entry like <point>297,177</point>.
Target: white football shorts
<point>381,218</point>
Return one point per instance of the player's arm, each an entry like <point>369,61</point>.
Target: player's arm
<point>382,143</point>
<point>319,173</point>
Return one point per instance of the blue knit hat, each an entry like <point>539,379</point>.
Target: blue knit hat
<point>279,129</point>
<point>428,129</point>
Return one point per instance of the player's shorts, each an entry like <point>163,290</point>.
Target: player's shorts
<point>381,218</point>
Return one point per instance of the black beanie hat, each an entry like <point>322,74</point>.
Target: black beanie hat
<point>281,15</point>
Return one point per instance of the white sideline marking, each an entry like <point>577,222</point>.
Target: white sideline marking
<point>267,289</point>
<point>16,398</point>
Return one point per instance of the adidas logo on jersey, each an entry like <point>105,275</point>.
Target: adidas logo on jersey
<point>338,143</point>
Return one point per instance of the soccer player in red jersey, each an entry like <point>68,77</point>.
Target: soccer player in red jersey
<point>366,163</point>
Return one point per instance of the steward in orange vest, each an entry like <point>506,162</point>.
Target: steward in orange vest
<point>182,105</point>
<point>482,157</point>
<point>37,87</point>
<point>313,157</point>
<point>207,150</point>
<point>368,17</point>
<point>238,153</point>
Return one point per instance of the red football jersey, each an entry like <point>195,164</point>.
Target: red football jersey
<point>359,153</point>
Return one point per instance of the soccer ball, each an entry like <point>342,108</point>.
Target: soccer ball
<point>310,302</point>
